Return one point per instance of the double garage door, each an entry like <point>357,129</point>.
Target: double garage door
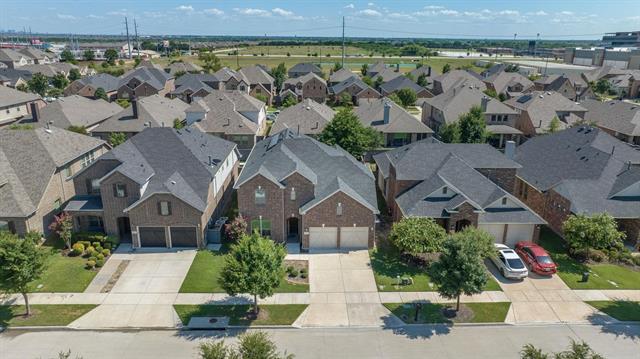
<point>180,237</point>
<point>327,237</point>
<point>515,232</point>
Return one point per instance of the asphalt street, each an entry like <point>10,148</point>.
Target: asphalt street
<point>612,341</point>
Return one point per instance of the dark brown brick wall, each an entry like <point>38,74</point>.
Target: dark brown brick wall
<point>550,205</point>
<point>315,90</point>
<point>273,209</point>
<point>353,213</point>
<point>503,177</point>
<point>465,212</point>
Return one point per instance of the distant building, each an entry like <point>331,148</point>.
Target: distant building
<point>621,39</point>
<point>621,58</point>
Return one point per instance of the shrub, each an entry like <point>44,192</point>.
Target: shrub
<point>95,244</point>
<point>91,264</point>
<point>106,252</point>
<point>597,255</point>
<point>113,241</point>
<point>99,263</point>
<point>290,269</point>
<point>86,244</point>
<point>294,273</point>
<point>100,256</point>
<point>303,275</point>
<point>78,249</point>
<point>99,249</point>
<point>636,260</point>
<point>303,270</point>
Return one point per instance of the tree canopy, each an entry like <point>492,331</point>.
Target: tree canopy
<point>100,93</point>
<point>279,74</point>
<point>38,84</point>
<point>111,56</point>
<point>117,138</point>
<point>446,68</point>
<point>74,74</point>
<point>88,55</point>
<point>211,62</point>
<point>346,131</point>
<point>67,56</point>
<point>407,97</point>
<point>59,81</point>
<point>417,235</point>
<point>599,231</point>
<point>251,345</point>
<point>473,128</point>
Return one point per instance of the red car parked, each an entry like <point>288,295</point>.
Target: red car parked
<point>536,258</point>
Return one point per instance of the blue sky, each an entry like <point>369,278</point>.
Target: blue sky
<point>472,19</point>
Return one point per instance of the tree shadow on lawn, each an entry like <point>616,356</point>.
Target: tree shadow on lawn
<point>432,321</point>
<point>610,325</point>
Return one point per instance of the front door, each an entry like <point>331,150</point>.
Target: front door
<point>124,229</point>
<point>292,229</point>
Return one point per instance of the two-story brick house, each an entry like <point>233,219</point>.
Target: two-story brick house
<point>145,81</point>
<point>457,185</point>
<point>161,188</point>
<point>355,88</point>
<point>309,86</point>
<point>36,170</point>
<point>581,170</point>
<point>295,189</point>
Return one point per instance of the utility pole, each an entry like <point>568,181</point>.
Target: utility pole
<point>535,46</point>
<point>135,27</point>
<point>343,41</point>
<point>126,25</point>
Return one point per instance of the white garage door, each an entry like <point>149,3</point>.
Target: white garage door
<point>496,230</point>
<point>519,232</point>
<point>323,237</point>
<point>354,237</point>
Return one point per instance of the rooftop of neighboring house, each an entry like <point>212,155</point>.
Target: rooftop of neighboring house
<point>375,68</point>
<point>48,70</point>
<point>428,71</point>
<point>401,82</point>
<point>34,53</point>
<point>107,82</point>
<point>256,74</point>
<point>341,75</point>
<point>455,78</point>
<point>77,111</point>
<point>418,160</point>
<point>10,55</point>
<point>155,77</point>
<point>387,75</point>
<point>13,75</point>
<point>28,159</point>
<point>152,111</point>
<point>186,67</point>
<point>494,69</point>
<point>194,83</point>
<point>164,160</point>
<point>459,100</point>
<point>294,81</point>
<point>615,115</point>
<point>304,67</point>
<point>223,112</point>
<point>351,81</point>
<point>306,117</point>
<point>592,169</point>
<point>543,106</point>
<point>552,82</point>
<point>12,97</point>
<point>501,81</point>
<point>372,113</point>
<point>603,71</point>
<point>330,169</point>
<point>225,73</point>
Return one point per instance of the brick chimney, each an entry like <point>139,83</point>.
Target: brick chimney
<point>134,106</point>
<point>483,103</point>
<point>387,109</point>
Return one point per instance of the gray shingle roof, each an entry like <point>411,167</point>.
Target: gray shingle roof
<point>445,168</point>
<point>10,55</point>
<point>308,116</point>
<point>303,79</point>
<point>173,161</point>
<point>13,75</point>
<point>12,97</point>
<point>401,82</point>
<point>194,83</point>
<point>36,54</point>
<point>78,111</point>
<point>429,71</point>
<point>371,113</point>
<point>387,75</point>
<point>501,81</point>
<point>457,78</point>
<point>223,112</point>
<point>459,100</point>
<point>303,68</point>
<point>372,70</point>
<point>579,164</point>
<point>256,75</point>
<point>330,169</point>
<point>338,88</point>
<point>619,116</point>
<point>28,159</point>
<point>107,82</point>
<point>542,107</point>
<point>182,67</point>
<point>153,76</point>
<point>155,109</point>
<point>341,75</point>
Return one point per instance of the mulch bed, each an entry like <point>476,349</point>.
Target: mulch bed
<point>298,265</point>
<point>115,276</point>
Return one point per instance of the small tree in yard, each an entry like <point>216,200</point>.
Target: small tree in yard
<point>59,80</point>
<point>254,266</point>
<point>473,128</point>
<point>599,231</point>
<point>449,133</point>
<point>252,345</point>
<point>236,229</point>
<point>422,80</point>
<point>38,84</point>
<point>554,125</point>
<point>100,94</point>
<point>22,263</point>
<point>117,138</point>
<point>63,225</point>
<point>289,100</point>
<point>416,235</point>
<point>111,56</point>
<point>407,97</point>
<point>460,268</point>
<point>346,131</point>
<point>74,74</point>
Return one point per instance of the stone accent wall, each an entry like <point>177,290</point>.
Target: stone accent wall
<point>353,213</point>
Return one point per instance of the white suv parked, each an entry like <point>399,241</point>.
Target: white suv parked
<point>509,263</point>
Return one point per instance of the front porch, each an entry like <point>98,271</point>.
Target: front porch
<point>87,213</point>
<point>500,134</point>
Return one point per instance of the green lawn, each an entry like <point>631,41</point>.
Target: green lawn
<point>64,274</point>
<point>387,266</point>
<point>431,313</point>
<point>42,315</point>
<point>620,310</point>
<point>205,270</point>
<point>602,275</point>
<point>273,314</point>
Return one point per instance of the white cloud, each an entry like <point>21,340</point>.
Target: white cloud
<point>433,7</point>
<point>188,8</point>
<point>92,16</point>
<point>286,14</point>
<point>401,16</point>
<point>449,12</point>
<point>121,12</point>
<point>371,4</point>
<point>253,12</point>
<point>154,14</point>
<point>369,13</point>
<point>538,13</point>
<point>350,6</point>
<point>66,17</point>
<point>566,13</point>
<point>213,11</point>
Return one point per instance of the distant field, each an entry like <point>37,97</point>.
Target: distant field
<point>301,50</point>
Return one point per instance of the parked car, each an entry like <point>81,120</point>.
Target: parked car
<point>536,258</point>
<point>508,263</point>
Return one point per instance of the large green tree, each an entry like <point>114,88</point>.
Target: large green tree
<point>407,97</point>
<point>449,133</point>
<point>100,93</point>
<point>473,128</point>
<point>21,262</point>
<point>211,62</point>
<point>251,345</point>
<point>460,268</point>
<point>111,56</point>
<point>74,74</point>
<point>254,266</point>
<point>364,69</point>
<point>88,55</point>
<point>346,131</point>
<point>67,56</point>
<point>117,138</point>
<point>417,235</point>
<point>38,83</point>
<point>279,74</point>
<point>599,231</point>
<point>59,81</point>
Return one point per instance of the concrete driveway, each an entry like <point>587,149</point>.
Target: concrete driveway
<point>144,293</point>
<point>343,292</point>
<point>542,299</point>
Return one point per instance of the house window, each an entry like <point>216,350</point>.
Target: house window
<point>94,186</point>
<point>68,171</point>
<point>339,209</point>
<point>525,192</point>
<point>164,208</point>
<point>262,226</point>
<point>493,118</point>
<point>94,222</point>
<point>120,190</point>
<point>293,194</point>
<point>57,204</point>
<point>88,158</point>
<point>444,190</point>
<point>260,196</point>
<point>504,201</point>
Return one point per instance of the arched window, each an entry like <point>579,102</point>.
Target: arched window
<point>339,209</point>
<point>260,196</point>
<point>293,193</point>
